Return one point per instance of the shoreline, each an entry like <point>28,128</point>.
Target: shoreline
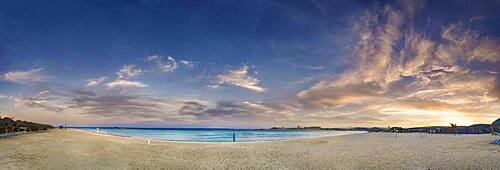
<point>199,142</point>
<point>266,141</point>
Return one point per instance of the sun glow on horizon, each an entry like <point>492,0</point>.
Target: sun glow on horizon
<point>425,117</point>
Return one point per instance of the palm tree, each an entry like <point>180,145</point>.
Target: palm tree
<point>454,127</point>
<point>7,125</point>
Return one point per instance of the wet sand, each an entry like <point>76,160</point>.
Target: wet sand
<point>74,149</point>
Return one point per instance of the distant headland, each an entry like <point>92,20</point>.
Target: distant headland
<point>494,127</point>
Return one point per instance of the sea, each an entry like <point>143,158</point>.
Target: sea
<point>215,134</point>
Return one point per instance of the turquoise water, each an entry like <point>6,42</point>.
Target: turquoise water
<point>216,135</point>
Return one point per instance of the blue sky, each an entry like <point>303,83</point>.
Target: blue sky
<point>249,63</point>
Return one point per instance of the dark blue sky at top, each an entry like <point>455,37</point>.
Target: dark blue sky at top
<point>77,40</point>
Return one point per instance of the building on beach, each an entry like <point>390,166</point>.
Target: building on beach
<point>495,126</point>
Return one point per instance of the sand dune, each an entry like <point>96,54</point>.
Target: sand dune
<point>73,149</point>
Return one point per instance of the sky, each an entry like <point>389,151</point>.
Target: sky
<point>250,64</point>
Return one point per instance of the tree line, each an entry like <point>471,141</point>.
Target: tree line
<point>8,125</point>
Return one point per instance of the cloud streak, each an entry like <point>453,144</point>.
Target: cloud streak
<point>24,77</point>
<point>95,82</point>
<point>129,71</point>
<point>241,78</point>
<point>114,105</point>
<point>40,100</point>
<point>124,84</point>
<point>168,64</point>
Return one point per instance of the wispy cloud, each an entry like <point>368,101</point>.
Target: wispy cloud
<point>40,100</point>
<point>142,107</point>
<point>124,84</point>
<point>235,109</point>
<point>168,64</point>
<point>187,63</point>
<point>239,77</point>
<point>394,61</point>
<point>123,105</point>
<point>255,113</point>
<point>95,82</point>
<point>315,67</point>
<point>4,98</point>
<point>129,71</point>
<point>29,76</point>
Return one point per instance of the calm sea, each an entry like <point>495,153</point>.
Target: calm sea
<point>215,135</point>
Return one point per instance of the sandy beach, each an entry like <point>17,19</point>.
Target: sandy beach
<point>74,149</point>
